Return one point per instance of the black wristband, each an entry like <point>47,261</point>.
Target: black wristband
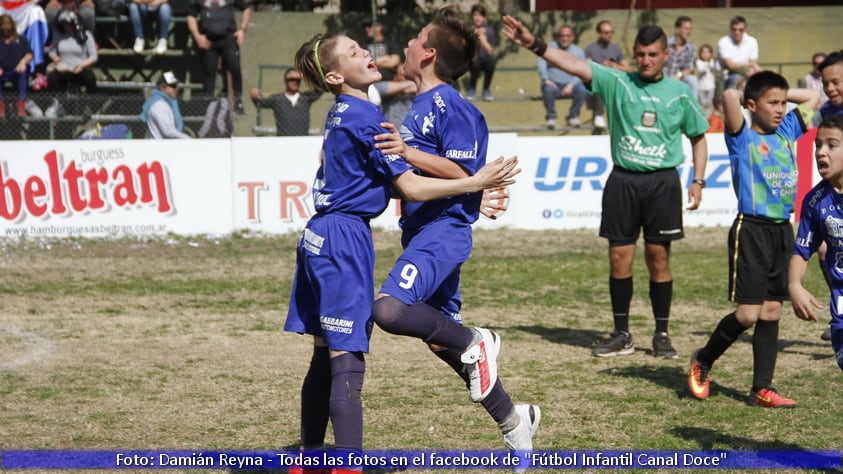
<point>701,182</point>
<point>538,47</point>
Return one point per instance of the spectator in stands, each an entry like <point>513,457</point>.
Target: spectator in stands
<point>31,23</point>
<point>140,10</point>
<point>813,80</point>
<point>291,108</point>
<point>385,52</point>
<point>485,61</point>
<point>84,9</point>
<point>683,54</point>
<point>832,74</point>
<point>609,54</point>
<point>15,56</point>
<point>557,83</point>
<point>214,29</point>
<point>707,71</point>
<point>161,110</point>
<point>738,53</point>
<point>396,96</point>
<point>72,53</point>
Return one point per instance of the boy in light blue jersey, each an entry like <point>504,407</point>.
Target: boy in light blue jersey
<point>821,222</point>
<point>444,135</point>
<point>333,288</point>
<point>764,176</point>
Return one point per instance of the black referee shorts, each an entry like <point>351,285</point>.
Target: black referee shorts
<point>759,253</point>
<point>632,201</point>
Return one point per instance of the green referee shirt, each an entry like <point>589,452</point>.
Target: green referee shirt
<point>647,118</point>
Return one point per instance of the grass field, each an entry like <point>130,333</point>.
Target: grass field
<point>177,344</point>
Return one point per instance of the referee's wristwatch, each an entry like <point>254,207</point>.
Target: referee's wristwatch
<point>701,182</point>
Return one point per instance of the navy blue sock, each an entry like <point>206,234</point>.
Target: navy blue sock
<point>347,372</point>
<point>497,403</point>
<point>661,293</point>
<point>620,292</point>
<point>765,349</point>
<point>315,392</point>
<point>422,321</point>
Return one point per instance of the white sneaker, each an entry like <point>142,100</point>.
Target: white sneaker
<point>599,121</point>
<point>550,124</point>
<point>521,438</point>
<point>139,44</point>
<point>574,122</point>
<point>32,109</point>
<point>481,364</point>
<point>161,47</point>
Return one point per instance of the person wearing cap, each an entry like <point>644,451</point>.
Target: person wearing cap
<point>291,108</point>
<point>161,110</point>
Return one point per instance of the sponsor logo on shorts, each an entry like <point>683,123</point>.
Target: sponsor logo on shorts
<point>336,325</point>
<point>312,241</point>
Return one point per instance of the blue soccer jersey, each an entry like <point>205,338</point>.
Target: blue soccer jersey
<point>355,177</point>
<point>333,288</point>
<point>764,168</point>
<point>828,109</point>
<point>822,221</point>
<point>442,122</point>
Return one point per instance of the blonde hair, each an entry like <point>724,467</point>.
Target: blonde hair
<point>316,57</point>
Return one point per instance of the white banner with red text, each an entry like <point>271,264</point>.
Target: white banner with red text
<point>136,188</point>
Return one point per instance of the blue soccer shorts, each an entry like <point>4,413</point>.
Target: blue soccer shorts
<point>835,307</point>
<point>333,288</point>
<point>429,269</point>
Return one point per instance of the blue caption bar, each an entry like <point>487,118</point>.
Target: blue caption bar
<point>31,459</point>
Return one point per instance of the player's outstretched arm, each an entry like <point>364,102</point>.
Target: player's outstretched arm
<point>802,300</point>
<point>500,172</point>
<point>520,35</point>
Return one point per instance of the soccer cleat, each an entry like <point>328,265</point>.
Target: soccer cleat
<point>521,438</point>
<point>599,121</point>
<point>662,348</point>
<point>161,47</point>
<point>138,46</point>
<point>471,94</point>
<point>699,378</point>
<point>481,364</point>
<point>769,398</point>
<point>619,344</point>
<point>826,335</point>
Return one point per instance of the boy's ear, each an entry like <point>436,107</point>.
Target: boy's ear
<point>334,79</point>
<point>749,104</point>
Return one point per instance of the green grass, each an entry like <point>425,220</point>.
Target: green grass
<point>177,344</point>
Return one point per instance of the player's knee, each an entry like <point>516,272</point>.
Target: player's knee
<point>347,371</point>
<point>387,313</point>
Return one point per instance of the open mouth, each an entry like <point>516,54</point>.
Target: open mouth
<point>822,166</point>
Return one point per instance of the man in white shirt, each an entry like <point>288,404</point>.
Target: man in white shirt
<point>738,53</point>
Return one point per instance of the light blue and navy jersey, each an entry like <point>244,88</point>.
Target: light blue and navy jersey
<point>441,122</point>
<point>764,169</point>
<point>355,177</point>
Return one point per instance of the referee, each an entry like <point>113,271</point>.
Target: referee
<point>648,112</point>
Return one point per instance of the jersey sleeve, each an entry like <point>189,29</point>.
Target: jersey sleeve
<point>460,137</point>
<point>808,236</point>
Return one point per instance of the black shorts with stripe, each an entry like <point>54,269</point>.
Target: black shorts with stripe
<point>632,201</point>
<point>759,253</point>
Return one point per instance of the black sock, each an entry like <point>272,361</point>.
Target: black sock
<point>347,371</point>
<point>620,292</point>
<point>765,348</point>
<point>497,403</point>
<point>421,321</point>
<point>661,294</point>
<point>315,393</point>
<point>724,335</point>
